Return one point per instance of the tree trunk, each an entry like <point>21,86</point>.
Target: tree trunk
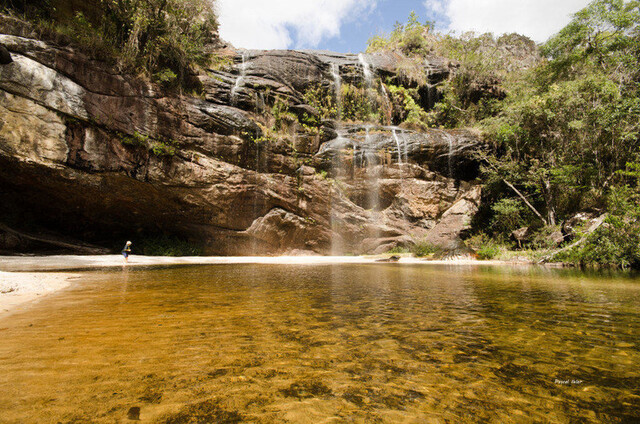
<point>524,199</point>
<point>520,195</point>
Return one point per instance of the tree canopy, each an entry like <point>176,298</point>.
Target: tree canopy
<point>562,121</point>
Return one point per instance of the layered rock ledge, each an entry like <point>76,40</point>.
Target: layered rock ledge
<point>99,155</point>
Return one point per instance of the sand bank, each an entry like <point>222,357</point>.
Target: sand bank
<point>74,263</point>
<point>17,288</point>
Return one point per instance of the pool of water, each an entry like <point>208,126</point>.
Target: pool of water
<point>326,344</point>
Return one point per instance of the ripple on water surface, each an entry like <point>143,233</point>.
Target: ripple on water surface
<point>343,343</point>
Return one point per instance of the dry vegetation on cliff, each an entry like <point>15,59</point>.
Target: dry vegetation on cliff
<point>161,38</point>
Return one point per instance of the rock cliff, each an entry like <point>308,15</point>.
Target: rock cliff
<point>268,157</point>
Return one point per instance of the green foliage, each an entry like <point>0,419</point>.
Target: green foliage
<point>410,72</point>
<point>541,238</point>
<point>424,248</point>
<point>507,216</point>
<point>161,38</point>
<point>604,37</point>
<point>412,38</point>
<point>323,100</point>
<point>412,114</point>
<point>168,246</point>
<point>358,105</point>
<point>616,243</point>
<point>220,62</point>
<point>159,148</point>
<point>281,115</point>
<point>164,149</point>
<point>279,122</point>
<point>573,122</point>
<point>136,139</point>
<point>398,250</point>
<point>561,130</point>
<point>166,77</point>
<point>488,251</point>
<point>487,68</point>
<point>484,246</point>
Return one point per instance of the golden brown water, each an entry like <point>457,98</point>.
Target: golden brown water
<point>326,344</point>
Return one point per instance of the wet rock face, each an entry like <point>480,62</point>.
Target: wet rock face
<point>99,155</point>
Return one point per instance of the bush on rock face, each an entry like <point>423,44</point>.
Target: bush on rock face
<point>161,38</point>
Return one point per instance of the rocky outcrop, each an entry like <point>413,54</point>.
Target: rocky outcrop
<point>100,156</point>
<point>5,56</point>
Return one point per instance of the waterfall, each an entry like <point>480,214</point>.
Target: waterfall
<point>366,70</point>
<point>256,210</point>
<point>387,103</point>
<point>339,171</point>
<point>395,137</point>
<point>371,173</point>
<point>430,96</point>
<point>337,86</point>
<point>240,80</point>
<point>404,148</point>
<point>450,142</point>
<point>431,90</point>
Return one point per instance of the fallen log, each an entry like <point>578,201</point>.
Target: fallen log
<point>594,226</point>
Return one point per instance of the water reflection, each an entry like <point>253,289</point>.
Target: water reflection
<point>352,343</point>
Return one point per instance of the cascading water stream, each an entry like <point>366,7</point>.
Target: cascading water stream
<point>366,70</point>
<point>397,139</point>
<point>337,86</point>
<point>340,174</point>
<point>388,109</point>
<point>450,142</point>
<point>372,183</point>
<point>402,151</point>
<point>240,80</point>
<point>257,183</point>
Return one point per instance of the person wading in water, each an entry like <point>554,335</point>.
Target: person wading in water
<point>126,251</point>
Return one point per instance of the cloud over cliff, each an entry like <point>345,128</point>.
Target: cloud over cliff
<point>538,19</point>
<point>285,23</point>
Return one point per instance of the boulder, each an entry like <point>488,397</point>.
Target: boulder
<point>521,235</point>
<point>580,220</point>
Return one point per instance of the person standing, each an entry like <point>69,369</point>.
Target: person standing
<point>126,251</point>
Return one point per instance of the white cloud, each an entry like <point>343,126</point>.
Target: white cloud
<point>278,24</point>
<point>437,6</point>
<point>538,19</point>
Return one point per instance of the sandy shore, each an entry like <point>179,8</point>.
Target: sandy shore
<point>27,278</point>
<point>17,288</point>
<point>75,263</point>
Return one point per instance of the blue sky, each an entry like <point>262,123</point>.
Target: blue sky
<point>346,25</point>
<point>355,33</point>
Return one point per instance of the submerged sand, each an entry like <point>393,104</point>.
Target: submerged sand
<point>28,278</point>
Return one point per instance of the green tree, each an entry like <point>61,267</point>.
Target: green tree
<point>573,122</point>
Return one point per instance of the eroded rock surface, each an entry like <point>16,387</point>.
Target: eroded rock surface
<point>99,155</point>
